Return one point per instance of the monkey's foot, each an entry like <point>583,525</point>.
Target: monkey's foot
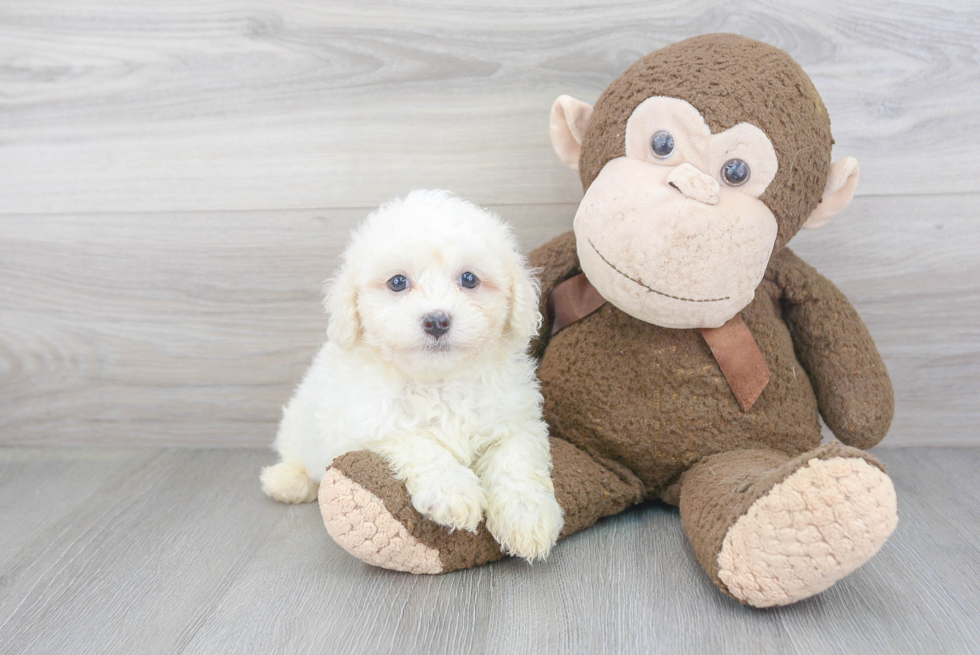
<point>809,531</point>
<point>370,515</point>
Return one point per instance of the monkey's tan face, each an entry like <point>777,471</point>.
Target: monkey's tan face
<point>674,233</point>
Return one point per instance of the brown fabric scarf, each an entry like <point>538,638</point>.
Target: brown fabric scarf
<point>732,344</point>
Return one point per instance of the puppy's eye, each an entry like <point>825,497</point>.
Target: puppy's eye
<point>398,283</point>
<point>468,280</point>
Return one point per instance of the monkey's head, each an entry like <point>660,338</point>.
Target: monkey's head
<point>698,162</point>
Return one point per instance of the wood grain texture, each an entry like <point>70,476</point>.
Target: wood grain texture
<point>193,329</point>
<point>159,286</point>
<point>32,491</point>
<point>176,181</point>
<point>179,552</point>
<point>216,105</point>
<point>132,568</point>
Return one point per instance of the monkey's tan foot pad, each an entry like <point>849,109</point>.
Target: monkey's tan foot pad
<point>370,515</point>
<point>809,531</point>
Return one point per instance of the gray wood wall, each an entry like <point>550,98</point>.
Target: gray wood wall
<point>178,178</point>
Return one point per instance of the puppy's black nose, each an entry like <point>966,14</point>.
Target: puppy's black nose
<point>436,324</point>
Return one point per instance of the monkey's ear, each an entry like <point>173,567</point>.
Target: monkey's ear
<point>837,195</point>
<point>569,120</point>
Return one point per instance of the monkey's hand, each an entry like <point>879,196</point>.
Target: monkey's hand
<point>853,389</point>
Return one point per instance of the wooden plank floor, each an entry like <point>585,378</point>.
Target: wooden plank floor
<point>177,551</point>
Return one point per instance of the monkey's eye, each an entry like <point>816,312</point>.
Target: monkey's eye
<point>662,144</point>
<point>398,283</point>
<point>735,172</point>
<point>469,280</point>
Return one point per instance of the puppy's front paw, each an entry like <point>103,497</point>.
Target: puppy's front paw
<point>525,524</point>
<point>451,498</point>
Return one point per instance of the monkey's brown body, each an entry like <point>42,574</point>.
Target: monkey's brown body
<point>654,399</point>
<point>699,163</point>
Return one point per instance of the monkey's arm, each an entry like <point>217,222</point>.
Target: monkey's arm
<point>853,389</point>
<point>555,261</point>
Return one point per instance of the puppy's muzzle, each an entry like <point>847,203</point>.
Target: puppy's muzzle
<point>436,323</point>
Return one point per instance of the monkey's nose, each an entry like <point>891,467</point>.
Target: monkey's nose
<point>694,184</point>
<point>436,323</point>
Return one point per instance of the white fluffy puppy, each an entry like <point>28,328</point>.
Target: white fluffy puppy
<point>431,313</point>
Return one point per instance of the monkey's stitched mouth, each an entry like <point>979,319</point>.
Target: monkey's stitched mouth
<point>659,293</point>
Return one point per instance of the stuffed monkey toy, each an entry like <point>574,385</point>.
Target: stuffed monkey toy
<point>687,354</point>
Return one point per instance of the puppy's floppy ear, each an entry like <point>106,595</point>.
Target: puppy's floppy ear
<point>341,303</point>
<point>524,320</point>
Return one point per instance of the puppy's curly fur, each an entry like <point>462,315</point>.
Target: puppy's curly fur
<point>457,415</point>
